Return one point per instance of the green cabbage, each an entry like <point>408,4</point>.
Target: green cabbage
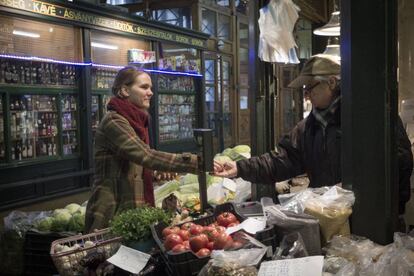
<point>72,208</point>
<point>61,220</point>
<point>165,190</point>
<point>189,188</point>
<point>242,149</point>
<point>76,223</point>
<point>223,159</point>
<point>189,178</point>
<point>82,211</point>
<point>213,180</point>
<point>45,224</point>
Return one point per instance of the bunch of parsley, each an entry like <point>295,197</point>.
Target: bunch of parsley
<point>134,224</point>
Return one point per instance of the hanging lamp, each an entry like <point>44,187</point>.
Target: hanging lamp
<point>332,28</point>
<point>333,47</point>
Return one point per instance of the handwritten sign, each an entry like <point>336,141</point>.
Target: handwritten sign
<point>309,266</point>
<point>129,259</point>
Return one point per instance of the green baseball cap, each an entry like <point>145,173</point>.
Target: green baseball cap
<point>317,65</point>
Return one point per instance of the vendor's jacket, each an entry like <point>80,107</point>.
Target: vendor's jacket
<point>120,156</point>
<point>308,150</point>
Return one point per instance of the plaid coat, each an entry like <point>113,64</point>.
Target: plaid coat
<point>119,159</point>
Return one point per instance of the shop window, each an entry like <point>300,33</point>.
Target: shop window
<point>223,3</point>
<point>209,72</point>
<point>31,38</point>
<point>114,49</point>
<point>303,38</point>
<point>208,22</point>
<point>178,58</point>
<point>178,17</point>
<point>224,27</point>
<point>244,34</point>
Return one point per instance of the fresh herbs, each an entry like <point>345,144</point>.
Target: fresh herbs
<point>134,224</point>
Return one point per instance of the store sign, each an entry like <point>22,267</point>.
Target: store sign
<point>89,18</point>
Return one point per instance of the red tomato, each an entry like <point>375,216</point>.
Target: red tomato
<point>221,241</point>
<point>198,242</point>
<point>187,226</point>
<point>179,248</point>
<point>171,241</point>
<point>196,229</point>
<point>237,245</point>
<point>221,229</point>
<point>210,246</point>
<point>229,243</point>
<point>225,219</point>
<point>184,234</point>
<point>214,224</point>
<point>208,229</point>
<point>212,236</point>
<point>187,245</point>
<point>203,252</point>
<point>170,230</point>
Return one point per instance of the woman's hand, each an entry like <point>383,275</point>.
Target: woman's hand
<point>164,176</point>
<point>228,169</point>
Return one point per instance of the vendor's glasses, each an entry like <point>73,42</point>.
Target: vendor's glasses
<point>308,89</point>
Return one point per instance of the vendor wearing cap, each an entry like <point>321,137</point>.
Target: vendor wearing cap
<point>314,145</point>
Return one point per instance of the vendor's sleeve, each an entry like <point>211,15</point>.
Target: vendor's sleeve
<point>275,166</point>
<point>123,140</point>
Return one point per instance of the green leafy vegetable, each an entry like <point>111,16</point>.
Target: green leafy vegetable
<point>134,224</point>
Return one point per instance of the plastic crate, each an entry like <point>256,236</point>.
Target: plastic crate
<point>68,263</point>
<point>187,263</point>
<point>37,260</point>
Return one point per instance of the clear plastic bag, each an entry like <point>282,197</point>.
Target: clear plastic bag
<point>243,190</point>
<point>333,209</point>
<point>236,262</point>
<point>21,222</point>
<point>291,247</point>
<point>288,222</point>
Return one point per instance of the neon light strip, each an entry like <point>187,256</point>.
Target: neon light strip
<point>45,60</point>
<point>108,66</point>
<point>97,65</point>
<point>173,73</point>
<point>150,70</point>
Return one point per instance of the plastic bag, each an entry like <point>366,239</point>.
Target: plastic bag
<point>243,190</point>
<point>295,202</point>
<point>291,247</point>
<point>333,209</point>
<point>333,264</point>
<point>276,23</point>
<point>288,222</point>
<point>236,262</point>
<point>21,222</point>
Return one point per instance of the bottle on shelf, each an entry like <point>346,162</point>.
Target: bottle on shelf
<point>30,151</point>
<point>7,73</point>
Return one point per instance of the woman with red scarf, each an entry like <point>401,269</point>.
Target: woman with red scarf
<point>123,159</point>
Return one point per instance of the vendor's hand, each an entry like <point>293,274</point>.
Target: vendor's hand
<point>218,167</point>
<point>282,187</point>
<point>229,170</point>
<point>164,176</point>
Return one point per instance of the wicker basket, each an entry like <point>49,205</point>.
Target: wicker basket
<point>68,262</point>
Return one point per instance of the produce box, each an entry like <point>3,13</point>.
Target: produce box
<point>188,263</point>
<point>37,260</point>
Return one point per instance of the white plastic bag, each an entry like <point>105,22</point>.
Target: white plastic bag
<point>276,23</point>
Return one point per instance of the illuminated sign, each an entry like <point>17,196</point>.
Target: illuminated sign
<point>89,18</point>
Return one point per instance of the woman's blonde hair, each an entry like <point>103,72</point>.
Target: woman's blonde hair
<point>125,78</point>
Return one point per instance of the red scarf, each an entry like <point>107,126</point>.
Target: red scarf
<point>138,120</point>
